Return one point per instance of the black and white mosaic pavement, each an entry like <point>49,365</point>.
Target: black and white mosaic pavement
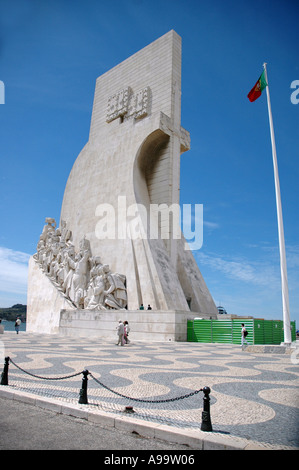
<point>253,395</point>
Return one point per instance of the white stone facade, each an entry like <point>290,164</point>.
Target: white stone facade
<point>133,156</point>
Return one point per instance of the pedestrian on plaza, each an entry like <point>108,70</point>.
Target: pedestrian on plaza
<point>149,307</point>
<point>120,332</point>
<point>17,325</point>
<point>244,333</point>
<point>127,331</point>
<point>1,327</point>
<point>141,307</point>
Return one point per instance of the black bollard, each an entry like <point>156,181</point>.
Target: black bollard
<point>206,424</point>
<point>83,391</point>
<point>4,375</point>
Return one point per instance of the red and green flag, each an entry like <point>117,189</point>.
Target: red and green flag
<point>256,91</point>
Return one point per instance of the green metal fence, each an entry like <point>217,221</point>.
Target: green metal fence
<point>260,331</point>
<point>221,331</point>
<point>199,332</point>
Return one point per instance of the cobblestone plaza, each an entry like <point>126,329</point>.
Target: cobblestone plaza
<point>254,396</point>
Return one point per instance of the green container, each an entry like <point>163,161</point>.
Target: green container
<point>202,331</point>
<point>228,331</point>
<point>277,331</point>
<point>222,331</point>
<point>268,331</point>
<point>259,331</point>
<point>190,335</point>
<point>293,330</point>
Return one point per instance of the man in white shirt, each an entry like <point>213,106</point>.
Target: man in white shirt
<point>244,334</point>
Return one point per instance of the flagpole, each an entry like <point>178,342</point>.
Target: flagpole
<point>283,264</point>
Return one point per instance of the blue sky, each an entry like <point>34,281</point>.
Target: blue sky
<point>50,56</point>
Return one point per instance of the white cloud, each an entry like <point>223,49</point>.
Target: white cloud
<point>13,271</point>
<point>252,286</point>
<point>292,255</point>
<point>211,225</point>
<point>259,273</point>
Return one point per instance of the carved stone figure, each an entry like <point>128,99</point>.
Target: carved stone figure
<point>66,234</point>
<point>79,280</point>
<point>97,291</point>
<point>48,228</point>
<point>116,295</point>
<point>69,269</point>
<point>81,277</point>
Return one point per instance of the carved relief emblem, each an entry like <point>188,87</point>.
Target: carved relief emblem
<point>118,104</point>
<point>125,104</point>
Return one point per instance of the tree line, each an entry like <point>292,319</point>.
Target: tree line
<point>11,313</point>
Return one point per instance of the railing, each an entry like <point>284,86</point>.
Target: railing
<point>206,424</point>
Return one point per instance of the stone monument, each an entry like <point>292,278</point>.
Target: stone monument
<point>119,244</point>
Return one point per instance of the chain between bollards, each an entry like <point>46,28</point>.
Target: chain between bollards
<point>4,375</point>
<point>206,424</point>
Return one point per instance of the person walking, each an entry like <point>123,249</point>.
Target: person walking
<point>127,331</point>
<point>120,332</point>
<point>244,333</point>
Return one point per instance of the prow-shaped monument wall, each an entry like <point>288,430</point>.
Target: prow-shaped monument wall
<point>119,239</point>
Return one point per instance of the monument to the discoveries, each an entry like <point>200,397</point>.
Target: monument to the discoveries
<point>116,246</point>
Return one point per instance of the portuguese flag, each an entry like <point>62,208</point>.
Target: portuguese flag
<point>256,91</point>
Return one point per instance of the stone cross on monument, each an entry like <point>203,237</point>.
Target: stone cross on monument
<point>124,189</point>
